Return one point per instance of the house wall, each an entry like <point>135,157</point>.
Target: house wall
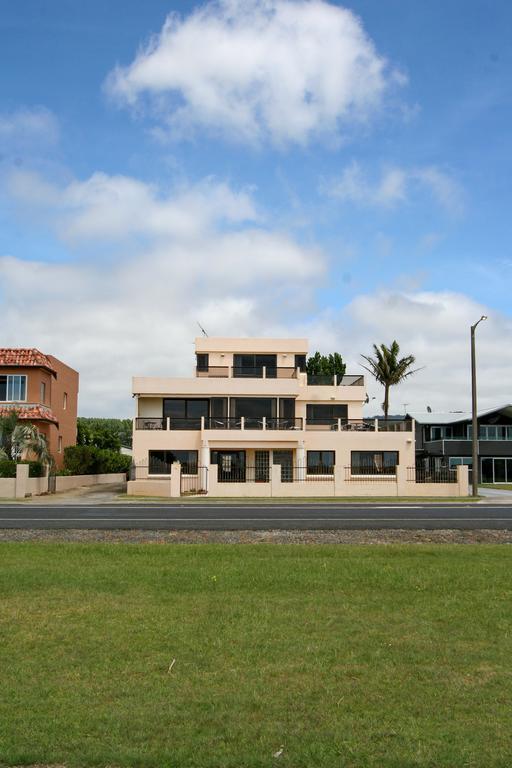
<point>66,381</point>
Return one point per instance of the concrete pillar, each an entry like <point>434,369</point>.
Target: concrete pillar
<point>203,465</point>
<point>213,481</point>
<point>21,481</point>
<point>175,480</point>
<point>403,486</point>
<point>340,485</point>
<point>301,461</point>
<point>275,480</point>
<point>463,480</point>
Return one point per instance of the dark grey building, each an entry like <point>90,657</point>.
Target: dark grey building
<point>444,440</point>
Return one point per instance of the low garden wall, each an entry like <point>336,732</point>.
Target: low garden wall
<point>69,482</point>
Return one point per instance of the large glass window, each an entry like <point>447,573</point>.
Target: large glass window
<point>320,462</point>
<point>325,413</point>
<point>13,388</point>
<point>254,409</point>
<point>202,361</point>
<point>300,362</point>
<point>374,462</point>
<point>160,462</point>
<point>185,413</point>
<point>252,366</point>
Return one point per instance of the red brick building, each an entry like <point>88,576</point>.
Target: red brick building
<point>44,391</point>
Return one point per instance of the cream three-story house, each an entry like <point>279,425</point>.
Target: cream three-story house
<point>250,407</point>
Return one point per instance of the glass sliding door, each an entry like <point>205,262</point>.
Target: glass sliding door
<point>253,409</point>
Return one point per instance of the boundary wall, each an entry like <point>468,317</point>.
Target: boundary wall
<point>339,486</point>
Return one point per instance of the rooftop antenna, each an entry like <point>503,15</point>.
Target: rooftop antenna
<point>405,407</point>
<point>202,329</point>
<point>429,409</point>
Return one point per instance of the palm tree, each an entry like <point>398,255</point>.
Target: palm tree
<point>17,439</point>
<point>388,369</point>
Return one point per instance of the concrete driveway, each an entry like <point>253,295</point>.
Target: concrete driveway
<point>88,495</point>
<point>495,494</point>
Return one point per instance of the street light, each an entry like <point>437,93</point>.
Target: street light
<point>474,435</point>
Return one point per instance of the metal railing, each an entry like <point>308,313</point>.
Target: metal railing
<point>214,372</point>
<point>339,425</point>
<point>246,372</point>
<point>367,474</point>
<point>313,474</point>
<point>252,422</point>
<point>150,422</point>
<point>431,475</point>
<point>194,482</point>
<point>247,474</point>
<point>334,380</point>
<point>394,426</point>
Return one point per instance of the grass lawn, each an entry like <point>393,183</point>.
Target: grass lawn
<point>388,656</point>
<point>498,486</point>
<point>299,500</point>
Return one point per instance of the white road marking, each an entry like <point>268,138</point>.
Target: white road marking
<point>245,520</point>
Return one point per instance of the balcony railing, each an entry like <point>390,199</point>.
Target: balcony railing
<point>335,380</point>
<point>357,425</point>
<point>246,372</point>
<point>150,422</point>
<point>218,422</point>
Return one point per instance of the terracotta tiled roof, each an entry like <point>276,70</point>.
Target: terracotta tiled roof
<point>11,358</point>
<point>31,412</point>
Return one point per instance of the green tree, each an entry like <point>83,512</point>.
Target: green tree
<point>104,433</point>
<point>326,365</point>
<point>19,438</point>
<point>388,369</point>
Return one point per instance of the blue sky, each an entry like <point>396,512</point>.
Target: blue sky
<point>393,218</point>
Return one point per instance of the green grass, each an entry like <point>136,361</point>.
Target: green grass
<point>299,500</point>
<point>382,656</point>
<point>498,486</point>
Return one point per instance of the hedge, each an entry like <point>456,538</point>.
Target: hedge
<point>8,468</point>
<point>89,460</point>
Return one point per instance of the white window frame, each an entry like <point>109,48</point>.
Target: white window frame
<point>10,386</point>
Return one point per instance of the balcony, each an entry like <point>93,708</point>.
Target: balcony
<point>218,422</point>
<point>357,425</point>
<point>256,372</point>
<point>322,380</point>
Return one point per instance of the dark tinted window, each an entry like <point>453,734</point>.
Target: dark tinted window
<point>374,462</point>
<point>320,462</point>
<point>160,462</point>
<point>325,413</point>
<point>202,362</point>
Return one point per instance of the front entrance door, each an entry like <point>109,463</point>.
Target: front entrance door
<point>231,466</point>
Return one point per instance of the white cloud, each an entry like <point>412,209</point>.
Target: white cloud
<point>121,207</point>
<point>198,253</point>
<point>28,125</point>
<point>395,185</point>
<point>433,326</point>
<point>282,70</point>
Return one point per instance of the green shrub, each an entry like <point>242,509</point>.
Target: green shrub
<point>7,468</point>
<point>89,460</point>
<point>35,468</point>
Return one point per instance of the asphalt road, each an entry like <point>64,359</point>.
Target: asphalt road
<point>257,516</point>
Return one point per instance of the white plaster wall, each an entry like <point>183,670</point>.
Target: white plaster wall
<point>7,487</point>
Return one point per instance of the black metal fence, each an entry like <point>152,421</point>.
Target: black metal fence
<point>313,474</point>
<point>245,474</point>
<point>431,475</point>
<point>365,474</point>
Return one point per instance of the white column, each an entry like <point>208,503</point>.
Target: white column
<point>301,461</point>
<point>204,463</point>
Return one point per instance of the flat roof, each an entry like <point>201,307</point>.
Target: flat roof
<point>251,344</point>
